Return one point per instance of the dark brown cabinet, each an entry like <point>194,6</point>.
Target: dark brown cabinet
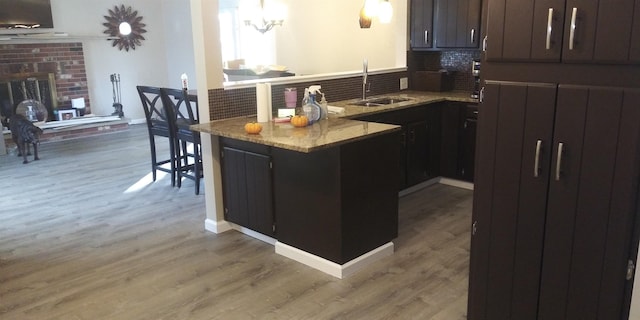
<point>568,31</point>
<point>457,23</point>
<point>555,202</point>
<point>248,189</point>
<point>445,24</point>
<point>419,142</point>
<point>421,24</point>
<point>337,202</point>
<point>468,154</point>
<point>418,156</point>
<point>458,141</point>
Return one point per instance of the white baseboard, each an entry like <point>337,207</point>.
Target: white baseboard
<point>137,121</point>
<point>440,180</point>
<point>217,226</point>
<point>456,183</point>
<point>253,234</point>
<point>330,267</point>
<point>418,187</point>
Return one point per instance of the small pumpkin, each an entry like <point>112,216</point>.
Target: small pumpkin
<point>299,121</point>
<point>253,127</point>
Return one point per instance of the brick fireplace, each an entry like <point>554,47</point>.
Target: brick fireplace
<point>53,73</point>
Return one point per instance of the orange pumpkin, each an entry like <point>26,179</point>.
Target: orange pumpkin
<point>299,121</point>
<point>253,127</point>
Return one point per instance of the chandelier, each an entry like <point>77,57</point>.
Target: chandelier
<point>264,17</point>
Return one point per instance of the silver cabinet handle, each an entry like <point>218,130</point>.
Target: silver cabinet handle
<point>473,35</point>
<point>426,36</point>
<point>484,44</point>
<point>572,33</point>
<point>536,162</point>
<point>549,28</point>
<point>559,161</point>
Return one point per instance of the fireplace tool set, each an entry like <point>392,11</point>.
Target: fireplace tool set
<point>115,84</point>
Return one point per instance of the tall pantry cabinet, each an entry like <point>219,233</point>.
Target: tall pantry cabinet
<point>555,217</point>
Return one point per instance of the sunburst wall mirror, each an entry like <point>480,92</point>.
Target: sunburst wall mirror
<point>125,28</point>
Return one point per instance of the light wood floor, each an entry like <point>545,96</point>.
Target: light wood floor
<point>77,241</point>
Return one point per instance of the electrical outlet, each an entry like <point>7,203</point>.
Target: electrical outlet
<point>404,83</point>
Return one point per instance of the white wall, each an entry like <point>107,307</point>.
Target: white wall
<point>144,65</point>
<point>166,53</point>
<point>178,42</point>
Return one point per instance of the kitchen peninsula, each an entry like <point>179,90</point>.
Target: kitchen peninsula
<point>325,195</point>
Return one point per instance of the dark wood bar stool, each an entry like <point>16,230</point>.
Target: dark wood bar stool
<point>159,126</point>
<point>183,112</point>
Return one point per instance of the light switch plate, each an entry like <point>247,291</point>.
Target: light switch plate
<point>404,83</point>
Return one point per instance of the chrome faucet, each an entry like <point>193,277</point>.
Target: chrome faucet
<point>365,76</point>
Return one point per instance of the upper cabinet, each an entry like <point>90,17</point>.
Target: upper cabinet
<point>458,23</point>
<point>445,24</point>
<point>421,24</point>
<point>564,30</point>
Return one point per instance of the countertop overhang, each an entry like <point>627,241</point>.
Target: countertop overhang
<point>338,129</point>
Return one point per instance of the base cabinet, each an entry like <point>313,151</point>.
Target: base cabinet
<point>337,203</point>
<point>248,186</point>
<point>419,142</point>
<point>458,140</point>
<point>555,202</point>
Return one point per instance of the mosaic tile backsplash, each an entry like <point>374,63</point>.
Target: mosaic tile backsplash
<point>231,103</point>
<point>452,60</point>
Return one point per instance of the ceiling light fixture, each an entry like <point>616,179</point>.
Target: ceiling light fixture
<point>264,17</point>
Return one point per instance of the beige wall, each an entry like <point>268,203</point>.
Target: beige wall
<point>325,37</point>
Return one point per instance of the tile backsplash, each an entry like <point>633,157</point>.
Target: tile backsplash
<point>452,60</point>
<point>229,103</point>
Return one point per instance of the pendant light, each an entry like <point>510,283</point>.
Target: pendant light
<point>368,11</point>
<point>385,11</point>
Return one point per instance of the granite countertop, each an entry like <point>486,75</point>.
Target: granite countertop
<point>320,135</point>
<point>417,98</point>
<point>336,130</point>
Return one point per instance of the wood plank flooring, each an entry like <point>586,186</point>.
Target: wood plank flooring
<point>83,236</point>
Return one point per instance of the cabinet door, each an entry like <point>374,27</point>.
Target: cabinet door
<point>521,30</point>
<point>513,153</point>
<point>234,178</point>
<point>402,172</point>
<point>601,31</point>
<point>453,115</point>
<point>259,193</point>
<point>468,149</point>
<point>417,152</point>
<point>591,203</point>
<point>458,23</point>
<point>571,31</point>
<point>248,190</point>
<point>422,24</point>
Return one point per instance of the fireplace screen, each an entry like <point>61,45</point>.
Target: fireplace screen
<point>17,88</point>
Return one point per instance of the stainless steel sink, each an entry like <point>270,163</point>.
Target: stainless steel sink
<point>376,102</point>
